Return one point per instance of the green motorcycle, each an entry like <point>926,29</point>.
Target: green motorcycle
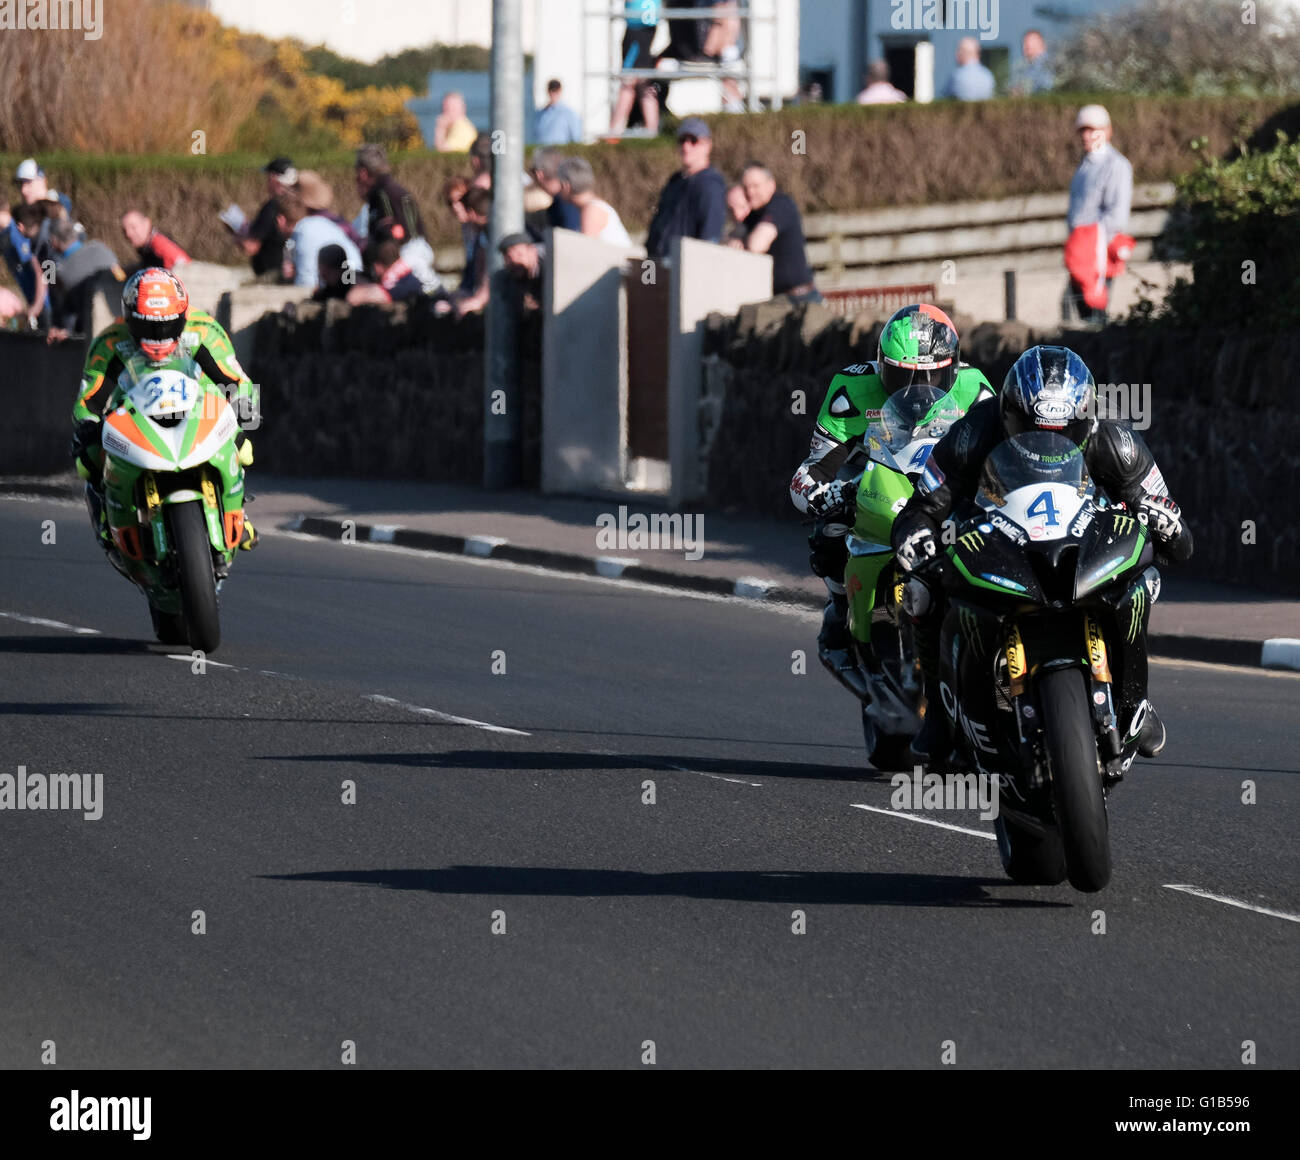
<point>897,447</point>
<point>174,499</point>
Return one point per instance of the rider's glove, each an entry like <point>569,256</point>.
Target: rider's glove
<point>1162,516</point>
<point>916,547</point>
<point>85,436</point>
<point>836,498</point>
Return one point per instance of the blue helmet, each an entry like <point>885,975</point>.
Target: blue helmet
<point>1050,388</point>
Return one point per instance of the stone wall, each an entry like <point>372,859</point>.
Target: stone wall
<point>1222,422</point>
<point>382,393</point>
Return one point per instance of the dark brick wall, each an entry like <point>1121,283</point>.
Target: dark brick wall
<point>382,393</point>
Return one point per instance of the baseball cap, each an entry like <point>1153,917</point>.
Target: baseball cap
<point>29,170</point>
<point>1092,117</point>
<point>694,127</point>
<point>513,240</point>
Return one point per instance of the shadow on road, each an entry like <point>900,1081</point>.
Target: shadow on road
<point>561,760</point>
<point>80,645</point>
<point>808,888</point>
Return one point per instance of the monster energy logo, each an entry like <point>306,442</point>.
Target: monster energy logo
<point>970,629</point>
<point>971,541</point>
<point>1123,525</point>
<point>1139,604</point>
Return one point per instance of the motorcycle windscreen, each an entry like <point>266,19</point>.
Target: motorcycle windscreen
<point>1039,481</point>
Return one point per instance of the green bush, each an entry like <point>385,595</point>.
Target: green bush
<point>1237,221</point>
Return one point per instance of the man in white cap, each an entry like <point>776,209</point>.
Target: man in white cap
<point>32,187</point>
<point>1101,194</point>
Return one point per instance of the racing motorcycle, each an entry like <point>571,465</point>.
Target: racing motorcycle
<point>889,681</point>
<point>1048,584</point>
<point>174,500</point>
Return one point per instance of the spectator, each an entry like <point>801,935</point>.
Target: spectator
<point>774,227</point>
<point>1033,72</point>
<point>307,234</point>
<point>1101,196</point>
<point>524,259</point>
<point>597,218</point>
<point>261,239</point>
<point>318,196</point>
<point>386,199</point>
<point>556,123</point>
<point>80,264</point>
<point>738,209</point>
<point>453,131</point>
<point>970,80</point>
<point>562,214</point>
<point>473,291</point>
<point>642,21</point>
<point>396,282</point>
<point>20,231</point>
<point>480,162</point>
<point>336,277</point>
<point>153,248</point>
<point>33,188</point>
<point>878,90</point>
<point>722,46</point>
<point>694,202</point>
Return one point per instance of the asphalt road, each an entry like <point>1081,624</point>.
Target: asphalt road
<point>624,922</point>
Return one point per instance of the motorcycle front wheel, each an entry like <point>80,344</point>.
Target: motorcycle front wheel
<point>189,532</point>
<point>1077,793</point>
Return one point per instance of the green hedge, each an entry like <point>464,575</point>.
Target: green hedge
<point>830,158</point>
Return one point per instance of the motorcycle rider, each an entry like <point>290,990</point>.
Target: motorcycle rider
<point>157,329</point>
<point>1118,461</point>
<point>918,346</point>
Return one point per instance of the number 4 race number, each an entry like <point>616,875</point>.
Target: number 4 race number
<point>1043,506</point>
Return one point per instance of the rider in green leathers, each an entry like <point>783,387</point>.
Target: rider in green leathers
<point>918,346</point>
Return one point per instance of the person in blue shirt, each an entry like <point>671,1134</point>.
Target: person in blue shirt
<point>1033,72</point>
<point>556,123</point>
<point>19,232</point>
<point>308,233</point>
<point>970,80</point>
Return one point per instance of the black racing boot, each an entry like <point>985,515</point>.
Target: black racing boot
<point>1151,732</point>
<point>835,647</point>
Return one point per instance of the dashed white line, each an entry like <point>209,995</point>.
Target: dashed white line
<point>189,658</point>
<point>715,776</point>
<point>925,821</point>
<point>447,717</point>
<point>1199,893</point>
<point>43,623</point>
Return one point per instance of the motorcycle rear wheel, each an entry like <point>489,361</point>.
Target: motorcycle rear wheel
<point>1028,858</point>
<point>885,751</point>
<point>194,568</point>
<point>169,627</point>
<point>1077,793</point>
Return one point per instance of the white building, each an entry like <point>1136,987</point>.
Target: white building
<point>577,41</point>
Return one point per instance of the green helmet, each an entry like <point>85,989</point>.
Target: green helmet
<point>918,347</point>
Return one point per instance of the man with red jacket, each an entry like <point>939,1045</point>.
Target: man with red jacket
<point>1101,195</point>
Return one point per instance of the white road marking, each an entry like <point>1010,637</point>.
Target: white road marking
<point>43,623</point>
<point>1245,670</point>
<point>715,776</point>
<point>447,717</point>
<point>925,821</point>
<point>189,658</point>
<point>1199,893</point>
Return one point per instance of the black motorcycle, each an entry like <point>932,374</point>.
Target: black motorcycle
<point>1048,587</point>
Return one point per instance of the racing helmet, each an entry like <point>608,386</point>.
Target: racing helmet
<point>1050,388</point>
<point>918,347</point>
<point>155,304</point>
